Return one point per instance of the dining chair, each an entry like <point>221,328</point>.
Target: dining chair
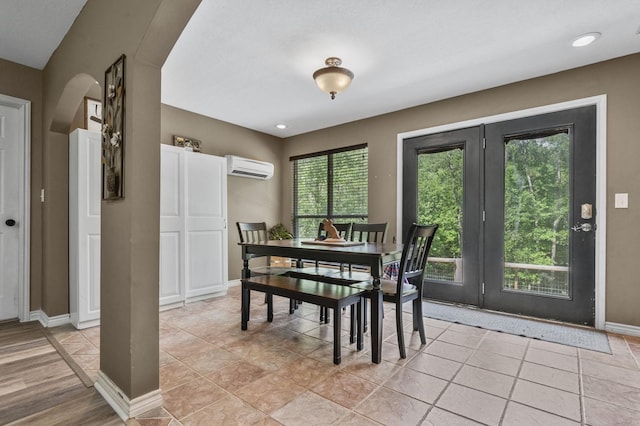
<point>344,231</point>
<point>369,232</point>
<point>254,232</point>
<point>408,286</point>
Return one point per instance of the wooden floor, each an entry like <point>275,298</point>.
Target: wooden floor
<point>37,387</point>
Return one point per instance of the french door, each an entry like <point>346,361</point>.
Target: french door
<point>514,201</point>
<point>442,184</point>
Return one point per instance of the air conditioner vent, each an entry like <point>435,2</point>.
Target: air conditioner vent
<point>245,167</point>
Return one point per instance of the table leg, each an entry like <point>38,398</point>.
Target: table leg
<point>376,322</point>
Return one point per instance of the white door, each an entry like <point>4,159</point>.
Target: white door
<point>205,224</point>
<point>11,164</point>
<point>171,225</point>
<point>85,180</point>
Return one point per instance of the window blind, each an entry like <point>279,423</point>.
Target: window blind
<point>330,184</point>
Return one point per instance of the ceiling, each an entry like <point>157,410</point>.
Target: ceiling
<point>250,63</point>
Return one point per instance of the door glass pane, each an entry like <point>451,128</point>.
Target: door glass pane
<point>440,196</point>
<point>536,214</point>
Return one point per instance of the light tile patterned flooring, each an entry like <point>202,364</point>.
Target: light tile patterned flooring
<point>213,373</point>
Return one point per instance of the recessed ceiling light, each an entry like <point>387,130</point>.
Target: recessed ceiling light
<point>281,126</point>
<point>585,39</point>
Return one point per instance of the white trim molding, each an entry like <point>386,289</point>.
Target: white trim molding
<point>126,408</point>
<point>234,283</point>
<point>24,110</point>
<point>47,321</point>
<point>600,101</point>
<point>629,330</point>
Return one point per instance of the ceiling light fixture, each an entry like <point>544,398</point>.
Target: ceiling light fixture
<point>333,79</point>
<point>281,126</point>
<point>585,39</point>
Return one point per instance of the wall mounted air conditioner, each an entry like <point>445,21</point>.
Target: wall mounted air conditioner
<point>245,167</point>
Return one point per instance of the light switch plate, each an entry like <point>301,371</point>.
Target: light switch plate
<point>622,201</point>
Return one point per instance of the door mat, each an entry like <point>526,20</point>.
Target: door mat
<point>584,338</point>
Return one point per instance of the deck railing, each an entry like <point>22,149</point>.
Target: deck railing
<point>526,277</point>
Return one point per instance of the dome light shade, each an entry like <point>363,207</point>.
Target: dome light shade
<point>333,79</point>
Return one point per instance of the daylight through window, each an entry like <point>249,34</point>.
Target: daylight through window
<point>330,184</point>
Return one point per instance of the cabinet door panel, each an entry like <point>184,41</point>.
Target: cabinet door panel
<point>172,257</point>
<point>205,224</point>
<point>170,268</point>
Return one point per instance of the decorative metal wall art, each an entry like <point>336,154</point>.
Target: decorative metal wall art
<point>113,132</point>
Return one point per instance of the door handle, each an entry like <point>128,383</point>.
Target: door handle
<point>9,222</point>
<point>584,227</point>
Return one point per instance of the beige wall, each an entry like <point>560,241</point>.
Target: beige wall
<point>24,82</point>
<point>244,194</point>
<point>144,31</point>
<point>619,79</point>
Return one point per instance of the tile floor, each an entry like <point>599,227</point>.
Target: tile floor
<point>213,373</point>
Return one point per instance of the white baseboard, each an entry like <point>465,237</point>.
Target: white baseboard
<point>173,305</point>
<point>205,296</point>
<point>234,283</point>
<point>126,408</point>
<point>48,321</point>
<point>629,330</point>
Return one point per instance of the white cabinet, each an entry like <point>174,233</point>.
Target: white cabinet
<point>84,228</point>
<point>193,225</point>
<point>193,231</point>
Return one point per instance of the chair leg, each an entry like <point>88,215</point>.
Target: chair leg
<point>292,306</point>
<point>337,325</point>
<point>354,315</point>
<point>246,297</point>
<point>364,314</point>
<point>324,315</point>
<point>360,325</point>
<point>353,326</point>
<point>418,321</point>
<point>399,330</point>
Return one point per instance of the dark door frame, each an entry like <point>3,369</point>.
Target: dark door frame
<point>600,102</point>
<point>469,140</point>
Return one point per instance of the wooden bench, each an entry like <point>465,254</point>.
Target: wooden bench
<point>315,291</point>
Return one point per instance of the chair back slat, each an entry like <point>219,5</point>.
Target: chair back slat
<point>414,254</point>
<point>252,232</point>
<point>369,232</point>
<point>344,230</point>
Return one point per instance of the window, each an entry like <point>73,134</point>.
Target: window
<point>330,184</point>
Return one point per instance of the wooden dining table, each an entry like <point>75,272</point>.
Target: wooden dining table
<point>372,255</point>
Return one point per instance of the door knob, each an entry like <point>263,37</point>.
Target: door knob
<point>9,222</point>
<point>584,227</point>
